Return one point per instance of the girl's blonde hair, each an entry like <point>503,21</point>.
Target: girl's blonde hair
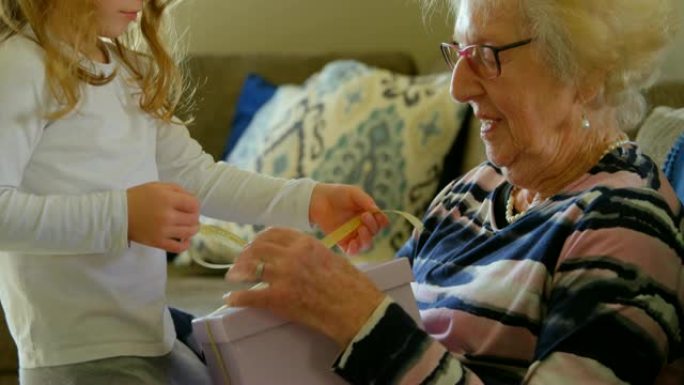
<point>623,40</point>
<point>142,50</point>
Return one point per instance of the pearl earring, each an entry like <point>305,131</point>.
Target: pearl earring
<point>586,124</point>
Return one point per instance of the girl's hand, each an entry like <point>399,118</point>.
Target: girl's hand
<point>334,204</point>
<point>307,284</point>
<point>162,215</point>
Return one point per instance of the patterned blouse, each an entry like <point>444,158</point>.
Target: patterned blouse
<point>585,288</point>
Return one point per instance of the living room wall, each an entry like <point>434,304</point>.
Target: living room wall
<point>238,26</point>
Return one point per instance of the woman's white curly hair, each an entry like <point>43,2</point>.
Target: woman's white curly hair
<point>622,39</point>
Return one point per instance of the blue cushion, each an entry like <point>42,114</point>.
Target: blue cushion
<point>256,91</point>
<point>674,167</point>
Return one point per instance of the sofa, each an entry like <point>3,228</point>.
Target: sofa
<point>219,80</point>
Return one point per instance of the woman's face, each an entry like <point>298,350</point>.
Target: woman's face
<point>528,116</point>
<point>114,16</point>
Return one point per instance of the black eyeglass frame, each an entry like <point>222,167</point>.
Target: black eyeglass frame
<point>447,47</point>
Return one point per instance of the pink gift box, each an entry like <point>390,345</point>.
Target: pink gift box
<point>246,346</point>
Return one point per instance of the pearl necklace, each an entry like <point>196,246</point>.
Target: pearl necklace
<point>619,142</point>
<point>510,217</point>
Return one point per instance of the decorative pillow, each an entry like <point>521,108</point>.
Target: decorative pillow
<point>660,131</point>
<point>256,91</point>
<point>353,124</point>
<point>674,167</point>
<point>252,142</point>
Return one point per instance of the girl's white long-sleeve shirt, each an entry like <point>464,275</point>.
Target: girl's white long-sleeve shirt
<point>72,287</point>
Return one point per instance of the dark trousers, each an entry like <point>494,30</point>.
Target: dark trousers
<point>182,322</point>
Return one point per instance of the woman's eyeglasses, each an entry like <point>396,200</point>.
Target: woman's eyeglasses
<point>482,58</point>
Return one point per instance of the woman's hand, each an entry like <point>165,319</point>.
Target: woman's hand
<point>334,204</point>
<point>162,215</point>
<point>307,284</point>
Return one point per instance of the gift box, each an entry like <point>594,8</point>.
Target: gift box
<point>245,346</point>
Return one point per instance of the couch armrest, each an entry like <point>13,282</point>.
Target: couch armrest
<point>8,351</point>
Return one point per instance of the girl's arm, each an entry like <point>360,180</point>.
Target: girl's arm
<point>232,194</point>
<point>30,223</point>
<point>229,193</point>
<point>54,224</point>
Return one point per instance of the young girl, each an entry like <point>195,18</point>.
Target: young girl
<point>97,180</point>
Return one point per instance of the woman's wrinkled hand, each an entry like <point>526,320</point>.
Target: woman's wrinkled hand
<point>162,215</point>
<point>334,204</point>
<point>307,284</point>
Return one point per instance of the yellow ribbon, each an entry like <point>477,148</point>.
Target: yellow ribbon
<point>223,235</point>
<point>343,231</point>
<point>217,355</point>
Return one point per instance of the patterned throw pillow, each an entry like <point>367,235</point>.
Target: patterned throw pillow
<point>354,124</point>
<point>660,131</point>
<point>674,166</point>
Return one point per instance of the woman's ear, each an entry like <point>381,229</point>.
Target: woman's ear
<point>590,89</point>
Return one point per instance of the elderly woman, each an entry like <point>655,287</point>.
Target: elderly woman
<point>557,261</point>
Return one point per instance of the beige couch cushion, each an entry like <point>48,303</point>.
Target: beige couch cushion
<point>666,93</point>
<point>660,131</point>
